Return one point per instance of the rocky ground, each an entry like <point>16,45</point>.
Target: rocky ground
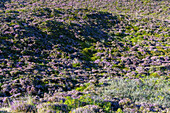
<point>81,56</point>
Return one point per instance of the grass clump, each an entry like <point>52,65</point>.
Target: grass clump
<point>148,89</point>
<point>22,107</point>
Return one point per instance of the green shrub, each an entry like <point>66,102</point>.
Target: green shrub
<point>81,88</point>
<point>87,99</point>
<point>76,64</point>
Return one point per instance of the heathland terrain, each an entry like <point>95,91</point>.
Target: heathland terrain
<point>84,56</point>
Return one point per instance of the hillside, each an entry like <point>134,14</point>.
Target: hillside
<point>84,56</point>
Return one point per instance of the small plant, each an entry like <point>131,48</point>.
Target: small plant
<point>76,64</point>
<point>154,75</point>
<point>72,103</point>
<point>119,110</point>
<point>81,88</point>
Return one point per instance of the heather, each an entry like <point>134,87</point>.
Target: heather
<point>84,56</point>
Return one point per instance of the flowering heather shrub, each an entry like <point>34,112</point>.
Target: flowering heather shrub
<point>46,107</point>
<point>50,46</point>
<point>87,109</point>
